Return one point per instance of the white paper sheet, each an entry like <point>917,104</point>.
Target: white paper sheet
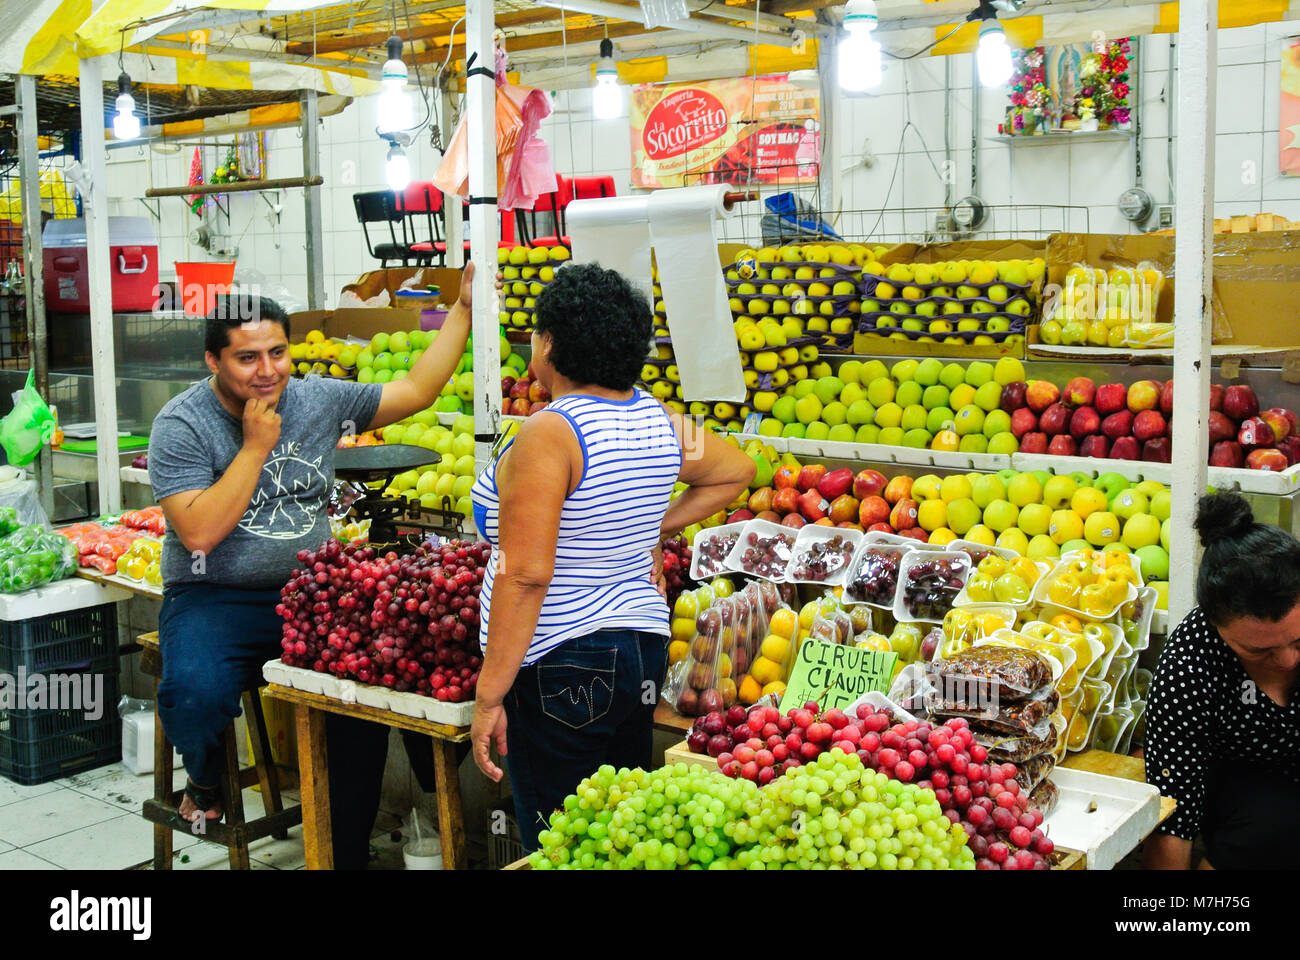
<point>614,232</point>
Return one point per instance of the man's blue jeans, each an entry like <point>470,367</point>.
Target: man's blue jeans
<point>589,702</point>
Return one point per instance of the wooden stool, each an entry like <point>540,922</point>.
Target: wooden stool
<point>233,831</point>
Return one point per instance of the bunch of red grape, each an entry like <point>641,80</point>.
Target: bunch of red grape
<point>404,622</point>
<point>1001,825</point>
<point>677,568</point>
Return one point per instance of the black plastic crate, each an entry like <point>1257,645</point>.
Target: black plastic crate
<point>59,642</point>
<point>41,745</point>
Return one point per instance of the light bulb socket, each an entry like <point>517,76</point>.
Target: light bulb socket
<point>990,27</point>
<point>861,14</point>
<point>123,83</point>
<point>605,65</point>
<point>394,48</point>
<point>607,49</point>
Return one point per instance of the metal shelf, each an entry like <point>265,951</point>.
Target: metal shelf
<point>1066,136</point>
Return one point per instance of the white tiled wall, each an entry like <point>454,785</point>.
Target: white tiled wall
<point>1090,175</point>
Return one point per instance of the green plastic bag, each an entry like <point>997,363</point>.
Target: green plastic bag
<point>28,427</point>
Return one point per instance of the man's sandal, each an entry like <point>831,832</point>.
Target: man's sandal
<point>205,798</point>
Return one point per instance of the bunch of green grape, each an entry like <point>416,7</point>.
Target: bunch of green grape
<point>836,814</point>
<point>831,814</point>
<point>681,816</point>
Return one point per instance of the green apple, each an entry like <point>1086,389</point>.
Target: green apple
<point>962,516</point>
<point>841,433</point>
<point>383,376</point>
<point>974,443</point>
<point>918,438</point>
<point>859,412</point>
<point>904,370</point>
<point>1003,443</point>
<point>443,483</point>
<point>952,376</point>
<point>784,409</point>
<point>881,391</point>
<point>871,371</point>
<point>928,371</point>
<point>914,417</point>
<point>803,388</point>
<point>834,413</point>
<point>1000,515</point>
<point>938,416</point>
<point>1129,502</point>
<point>1008,370</point>
<point>935,396</point>
<point>852,392</point>
<point>868,433</point>
<point>1058,491</point>
<point>817,430</point>
<point>793,430</point>
<point>979,373</point>
<point>969,420</point>
<point>1141,530</point>
<point>888,415</point>
<point>928,487</point>
<point>1111,484</point>
<point>808,409</point>
<point>464,466</point>
<point>1035,519</point>
<point>1155,562</point>
<point>987,489</point>
<point>770,427</point>
<point>909,392</point>
<point>891,436</point>
<point>988,396</point>
<point>1164,534</point>
<point>828,389</point>
<point>849,372</point>
<point>1160,505</point>
<point>997,421</point>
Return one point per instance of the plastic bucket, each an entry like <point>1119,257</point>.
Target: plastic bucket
<point>199,284</point>
<point>424,854</point>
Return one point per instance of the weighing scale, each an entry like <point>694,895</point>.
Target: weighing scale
<point>358,467</point>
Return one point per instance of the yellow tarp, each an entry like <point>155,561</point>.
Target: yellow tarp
<point>56,198</point>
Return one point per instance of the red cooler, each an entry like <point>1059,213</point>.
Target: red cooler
<point>133,264</point>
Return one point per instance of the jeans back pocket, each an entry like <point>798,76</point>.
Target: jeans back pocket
<point>576,687</point>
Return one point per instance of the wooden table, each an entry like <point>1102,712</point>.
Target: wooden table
<point>670,721</point>
<point>138,587</point>
<point>310,710</point>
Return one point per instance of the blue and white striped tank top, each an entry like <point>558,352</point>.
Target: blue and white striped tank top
<point>608,524</point>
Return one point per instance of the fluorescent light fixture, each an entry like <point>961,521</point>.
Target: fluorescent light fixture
<point>993,54</point>
<point>607,96</point>
<point>859,53</point>
<point>126,125</point>
<point>397,169</point>
<point>394,103</point>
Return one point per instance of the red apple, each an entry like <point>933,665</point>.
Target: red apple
<point>1227,453</point>
<point>741,515</point>
<point>1291,447</point>
<point>813,505</point>
<point>771,516</point>
<point>1083,422</point>
<point>1079,392</point>
<point>1063,445</point>
<point>844,509</point>
<point>915,533</point>
<point>1167,398</point>
<point>873,510</point>
<point>810,476</point>
<point>824,522</point>
<point>903,516</point>
<point>1221,428</point>
<point>506,384</point>
<point>1144,395</point>
<point>1095,446</point>
<point>1041,394</point>
<point>1216,397</point>
<point>1256,432</point>
<point>785,500</point>
<point>900,488</point>
<point>1013,396</point>
<point>1033,443</point>
<point>836,483</point>
<point>786,477</point>
<point>882,527</point>
<point>537,405</point>
<point>1158,450</point>
<point>1240,402</point>
<point>868,483</point>
<point>850,525</point>
<point>1119,424</point>
<point>519,406</point>
<point>1055,419</point>
<point>520,389</point>
<point>1125,448</point>
<point>1277,418</point>
<point>538,393</point>
<point>1292,419</point>
<point>761,499</point>
<point>1111,398</point>
<point>1274,460</point>
<point>793,520</point>
<point>1149,424</point>
<point>1023,421</point>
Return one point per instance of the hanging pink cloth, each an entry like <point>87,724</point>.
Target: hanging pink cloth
<point>453,172</point>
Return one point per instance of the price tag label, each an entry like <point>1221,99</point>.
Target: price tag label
<point>835,675</point>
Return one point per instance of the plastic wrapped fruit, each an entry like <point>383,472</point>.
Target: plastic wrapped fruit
<point>963,626</point>
<point>763,550</point>
<point>874,577</point>
<point>1092,583</point>
<point>821,555</point>
<point>931,583</point>
<point>710,550</point>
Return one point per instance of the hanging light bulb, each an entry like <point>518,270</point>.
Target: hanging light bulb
<point>859,53</point>
<point>126,125</point>
<point>993,54</point>
<point>394,104</point>
<point>607,95</point>
<point>397,169</point>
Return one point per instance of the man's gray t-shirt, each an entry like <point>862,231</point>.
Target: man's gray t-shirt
<point>194,440</point>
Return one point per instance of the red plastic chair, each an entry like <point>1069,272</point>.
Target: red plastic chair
<point>439,246</point>
<point>422,200</point>
<point>552,203</point>
<point>590,188</point>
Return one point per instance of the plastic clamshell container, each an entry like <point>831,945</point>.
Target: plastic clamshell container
<point>1041,595</point>
<point>1147,596</point>
<point>699,572</point>
<point>812,534</point>
<point>970,546</point>
<point>1105,817</point>
<point>902,613</point>
<point>865,549</point>
<point>1095,696</point>
<point>1137,730</point>
<point>1068,680</point>
<point>1141,683</point>
<point>764,529</point>
<point>1112,644</point>
<point>1110,727</point>
<point>964,598</point>
<point>1086,649</point>
<point>1060,726</point>
<point>951,646</point>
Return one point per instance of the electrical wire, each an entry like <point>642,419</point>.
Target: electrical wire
<point>929,47</point>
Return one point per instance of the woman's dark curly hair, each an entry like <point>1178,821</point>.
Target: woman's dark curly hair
<point>599,323</point>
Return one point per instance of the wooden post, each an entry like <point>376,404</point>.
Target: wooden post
<point>314,788</point>
<point>1198,25</point>
<point>484,225</point>
<point>451,812</point>
<point>94,204</point>
<point>37,343</point>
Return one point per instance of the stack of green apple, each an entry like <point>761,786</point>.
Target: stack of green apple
<point>525,273</point>
<point>446,482</point>
<point>921,404</point>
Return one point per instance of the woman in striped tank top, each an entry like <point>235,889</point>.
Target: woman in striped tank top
<point>574,623</point>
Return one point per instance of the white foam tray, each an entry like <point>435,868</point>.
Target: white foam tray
<point>74,593</point>
<point>135,475</point>
<point>1126,812</point>
<point>381,698</point>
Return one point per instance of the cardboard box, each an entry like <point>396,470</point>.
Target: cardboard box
<point>965,250</point>
<point>376,281</point>
<point>877,345</point>
<point>357,322</point>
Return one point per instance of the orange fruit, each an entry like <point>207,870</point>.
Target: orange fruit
<point>677,650</point>
<point>783,623</point>
<point>775,689</point>
<point>750,691</point>
<point>764,671</point>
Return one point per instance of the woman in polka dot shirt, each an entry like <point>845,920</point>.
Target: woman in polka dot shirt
<point>1223,721</point>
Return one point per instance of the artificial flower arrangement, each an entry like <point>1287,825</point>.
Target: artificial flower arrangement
<point>1032,100</point>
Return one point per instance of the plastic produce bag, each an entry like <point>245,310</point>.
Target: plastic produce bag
<point>1004,748</point>
<point>28,427</point>
<point>8,521</point>
<point>1008,673</point>
<point>693,686</point>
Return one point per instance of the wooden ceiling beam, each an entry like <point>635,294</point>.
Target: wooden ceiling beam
<point>540,41</point>
<point>363,41</point>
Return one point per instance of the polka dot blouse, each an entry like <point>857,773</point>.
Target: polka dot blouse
<point>1203,709</point>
